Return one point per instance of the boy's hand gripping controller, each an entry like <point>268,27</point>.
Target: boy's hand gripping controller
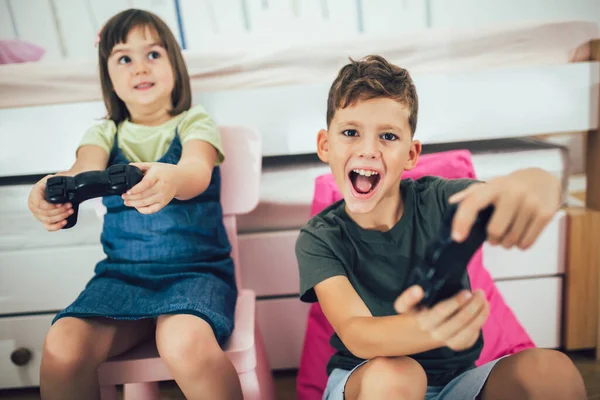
<point>441,272</point>
<point>115,180</point>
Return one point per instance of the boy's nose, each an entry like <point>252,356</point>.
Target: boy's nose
<point>368,150</point>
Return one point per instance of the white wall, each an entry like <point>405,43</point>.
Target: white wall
<point>67,28</point>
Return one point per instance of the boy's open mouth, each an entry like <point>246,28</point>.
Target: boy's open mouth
<point>364,181</point>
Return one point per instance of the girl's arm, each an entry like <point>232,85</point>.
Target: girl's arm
<point>194,169</point>
<point>89,158</point>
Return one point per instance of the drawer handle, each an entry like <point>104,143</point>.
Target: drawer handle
<point>20,356</point>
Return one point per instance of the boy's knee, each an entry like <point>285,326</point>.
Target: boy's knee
<point>398,378</point>
<point>540,372</point>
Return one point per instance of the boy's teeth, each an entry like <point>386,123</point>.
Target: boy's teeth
<point>365,172</point>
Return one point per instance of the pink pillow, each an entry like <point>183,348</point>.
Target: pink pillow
<point>503,334</point>
<point>18,51</point>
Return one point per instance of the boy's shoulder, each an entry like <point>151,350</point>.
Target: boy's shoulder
<point>329,217</point>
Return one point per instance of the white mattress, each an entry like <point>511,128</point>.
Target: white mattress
<point>430,51</point>
<point>287,191</point>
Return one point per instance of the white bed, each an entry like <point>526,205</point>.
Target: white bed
<point>472,86</point>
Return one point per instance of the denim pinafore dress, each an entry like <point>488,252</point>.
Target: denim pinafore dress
<point>175,261</point>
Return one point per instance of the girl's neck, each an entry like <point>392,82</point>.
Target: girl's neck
<point>149,117</point>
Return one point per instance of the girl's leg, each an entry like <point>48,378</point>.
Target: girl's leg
<point>75,347</point>
<point>188,347</point>
<point>535,374</point>
<point>387,378</point>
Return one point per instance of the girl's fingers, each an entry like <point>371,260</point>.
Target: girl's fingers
<point>56,226</point>
<point>152,208</point>
<point>149,199</point>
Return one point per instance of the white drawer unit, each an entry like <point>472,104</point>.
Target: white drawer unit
<point>537,304</point>
<point>545,258</point>
<point>21,343</point>
<point>46,279</point>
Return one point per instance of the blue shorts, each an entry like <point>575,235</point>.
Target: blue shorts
<point>464,387</point>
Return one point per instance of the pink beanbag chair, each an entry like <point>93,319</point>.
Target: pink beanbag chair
<point>503,333</point>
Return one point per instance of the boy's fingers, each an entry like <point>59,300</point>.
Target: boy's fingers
<point>152,208</point>
<point>56,226</point>
<point>524,217</point>
<point>444,309</point>
<point>408,299</point>
<point>533,231</point>
<point>461,319</point>
<point>469,208</point>
<point>502,218</point>
<point>467,336</point>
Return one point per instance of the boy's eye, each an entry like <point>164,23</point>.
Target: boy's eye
<point>389,136</point>
<point>153,55</point>
<point>124,60</point>
<point>349,132</point>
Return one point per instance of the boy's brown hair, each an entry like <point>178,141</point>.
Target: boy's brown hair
<point>369,78</point>
<point>115,31</point>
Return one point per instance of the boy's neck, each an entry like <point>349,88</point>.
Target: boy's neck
<point>385,215</point>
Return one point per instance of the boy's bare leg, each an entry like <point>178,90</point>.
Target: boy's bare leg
<point>188,346</point>
<point>535,374</point>
<point>75,347</point>
<point>387,378</point>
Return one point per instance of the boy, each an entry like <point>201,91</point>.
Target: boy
<point>355,255</point>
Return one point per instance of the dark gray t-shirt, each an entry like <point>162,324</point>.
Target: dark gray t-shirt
<point>377,264</point>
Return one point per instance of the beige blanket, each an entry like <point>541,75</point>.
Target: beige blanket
<point>431,51</point>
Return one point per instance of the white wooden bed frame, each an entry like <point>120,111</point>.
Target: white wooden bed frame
<point>463,102</point>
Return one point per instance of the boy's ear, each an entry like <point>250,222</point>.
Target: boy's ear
<point>323,146</point>
<point>413,155</point>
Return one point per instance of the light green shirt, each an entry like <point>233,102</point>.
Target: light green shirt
<point>141,143</point>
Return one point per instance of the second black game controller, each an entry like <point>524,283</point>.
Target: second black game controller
<point>115,180</point>
<point>441,273</point>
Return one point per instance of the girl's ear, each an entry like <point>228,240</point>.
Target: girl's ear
<point>323,146</point>
<point>413,155</point>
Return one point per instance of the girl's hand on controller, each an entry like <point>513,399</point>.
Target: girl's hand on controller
<point>455,322</point>
<point>52,216</point>
<point>155,190</point>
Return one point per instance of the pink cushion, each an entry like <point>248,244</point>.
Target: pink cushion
<point>502,332</point>
<point>18,51</point>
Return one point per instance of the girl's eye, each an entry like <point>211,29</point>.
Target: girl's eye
<point>153,55</point>
<point>124,60</point>
<point>389,136</point>
<point>350,132</point>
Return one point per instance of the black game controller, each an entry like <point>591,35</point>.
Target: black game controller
<point>115,180</point>
<point>442,271</point>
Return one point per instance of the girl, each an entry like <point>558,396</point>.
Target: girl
<point>167,269</point>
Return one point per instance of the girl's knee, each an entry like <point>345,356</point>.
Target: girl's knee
<point>540,370</point>
<point>66,350</point>
<point>194,348</point>
<point>398,378</point>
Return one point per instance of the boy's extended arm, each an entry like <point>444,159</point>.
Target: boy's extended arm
<point>366,336</point>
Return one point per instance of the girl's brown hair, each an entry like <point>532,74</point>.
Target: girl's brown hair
<point>115,31</point>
